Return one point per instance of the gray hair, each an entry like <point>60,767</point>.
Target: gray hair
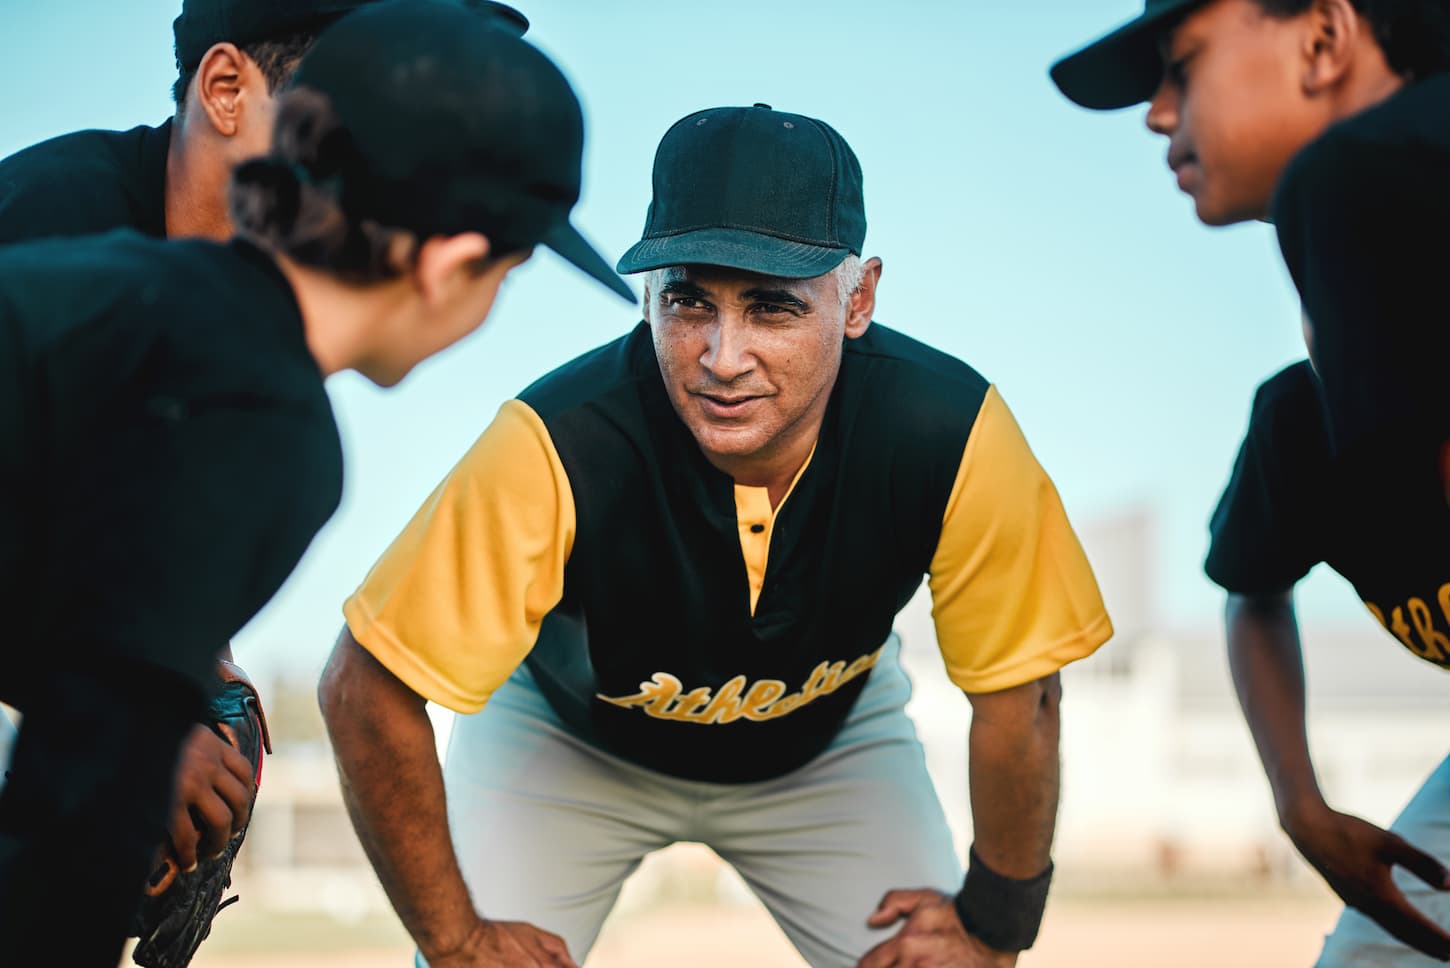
<point>848,277</point>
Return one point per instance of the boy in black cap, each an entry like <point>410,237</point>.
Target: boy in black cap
<point>667,575</point>
<point>1332,119</point>
<point>167,449</point>
<point>233,57</point>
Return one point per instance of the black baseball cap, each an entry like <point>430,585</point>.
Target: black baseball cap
<point>753,189</point>
<point>1124,67</point>
<point>206,23</point>
<point>452,125</point>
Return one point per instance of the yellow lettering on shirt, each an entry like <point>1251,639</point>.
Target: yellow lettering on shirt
<point>1419,634</point>
<point>686,705</point>
<point>1436,646</point>
<point>663,696</point>
<point>727,706</point>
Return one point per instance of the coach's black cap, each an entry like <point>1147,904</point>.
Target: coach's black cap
<point>1124,67</point>
<point>753,189</point>
<point>452,125</point>
<point>205,23</point>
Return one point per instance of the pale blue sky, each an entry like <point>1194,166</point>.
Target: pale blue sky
<point>1045,245</point>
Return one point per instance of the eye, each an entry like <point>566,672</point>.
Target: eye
<point>771,310</point>
<point>1176,72</point>
<point>682,303</point>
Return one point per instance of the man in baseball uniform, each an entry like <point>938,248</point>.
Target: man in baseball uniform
<point>170,181</point>
<point>660,589</point>
<point>1330,118</point>
<point>233,58</point>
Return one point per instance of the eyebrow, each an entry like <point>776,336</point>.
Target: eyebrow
<point>683,287</point>
<point>1166,37</point>
<point>783,297</point>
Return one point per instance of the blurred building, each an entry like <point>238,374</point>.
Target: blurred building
<point>1161,786</point>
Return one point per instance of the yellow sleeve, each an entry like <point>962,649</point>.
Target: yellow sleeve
<point>1013,595</point>
<point>455,603</point>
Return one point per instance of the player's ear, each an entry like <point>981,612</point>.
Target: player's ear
<point>1330,42</point>
<point>218,87</point>
<point>862,304</point>
<point>448,263</point>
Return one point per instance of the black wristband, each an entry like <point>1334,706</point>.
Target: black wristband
<point>1001,912</point>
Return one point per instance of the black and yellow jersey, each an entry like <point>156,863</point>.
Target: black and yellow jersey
<point>673,618</point>
<point>1290,505</point>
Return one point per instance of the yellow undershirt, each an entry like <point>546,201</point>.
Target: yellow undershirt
<point>755,519</point>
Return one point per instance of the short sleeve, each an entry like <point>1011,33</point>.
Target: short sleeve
<point>1013,596</point>
<point>455,603</point>
<point>1260,538</point>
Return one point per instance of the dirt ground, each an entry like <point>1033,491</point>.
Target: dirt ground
<point>1079,933</point>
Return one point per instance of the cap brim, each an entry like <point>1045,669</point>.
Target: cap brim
<point>1123,68</point>
<point>733,249</point>
<point>566,240</point>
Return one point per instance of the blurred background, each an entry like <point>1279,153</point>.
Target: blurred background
<point>1046,246</point>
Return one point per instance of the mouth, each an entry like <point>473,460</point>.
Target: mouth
<point>726,405</point>
<point>1184,164</point>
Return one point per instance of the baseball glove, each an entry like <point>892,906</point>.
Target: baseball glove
<point>177,910</point>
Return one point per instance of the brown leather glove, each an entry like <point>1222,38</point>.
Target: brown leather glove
<point>178,907</point>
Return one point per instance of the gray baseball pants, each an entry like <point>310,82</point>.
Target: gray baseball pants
<point>547,828</point>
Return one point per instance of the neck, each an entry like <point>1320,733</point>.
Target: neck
<point>342,321</point>
<point>775,467</point>
<point>196,186</point>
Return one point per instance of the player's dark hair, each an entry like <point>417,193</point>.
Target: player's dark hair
<point>277,58</point>
<point>1414,34</point>
<point>290,200</point>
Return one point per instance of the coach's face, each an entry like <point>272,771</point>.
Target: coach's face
<point>749,360</point>
<point>1233,105</point>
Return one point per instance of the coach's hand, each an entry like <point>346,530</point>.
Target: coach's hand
<point>932,937</point>
<point>506,944</point>
<point>1356,858</point>
<point>213,797</point>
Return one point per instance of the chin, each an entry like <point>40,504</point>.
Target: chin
<point>1213,216</point>
<point>1219,213</point>
<point>728,444</point>
<point>384,378</point>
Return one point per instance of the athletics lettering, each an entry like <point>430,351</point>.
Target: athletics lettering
<point>664,695</point>
<point>1414,625</point>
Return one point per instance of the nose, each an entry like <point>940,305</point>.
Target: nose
<point>1163,109</point>
<point>727,352</point>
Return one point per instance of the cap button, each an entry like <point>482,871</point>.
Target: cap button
<point>760,105</point>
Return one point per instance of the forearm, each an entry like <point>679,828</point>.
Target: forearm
<point>1014,776</point>
<point>393,787</point>
<point>1267,665</point>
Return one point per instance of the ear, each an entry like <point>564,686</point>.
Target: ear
<point>446,264</point>
<point>862,304</point>
<point>220,87</point>
<point>1330,44</point>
